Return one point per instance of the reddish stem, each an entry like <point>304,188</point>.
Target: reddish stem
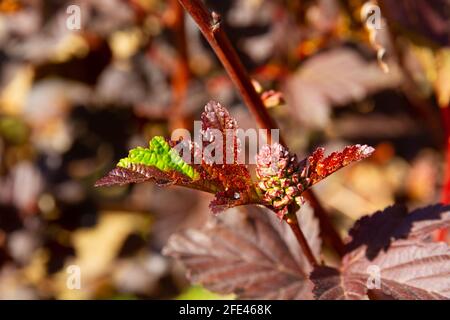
<point>445,196</point>
<point>292,221</point>
<point>446,186</point>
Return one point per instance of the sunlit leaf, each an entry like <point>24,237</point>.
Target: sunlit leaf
<point>390,257</point>
<point>252,255</point>
<point>320,167</point>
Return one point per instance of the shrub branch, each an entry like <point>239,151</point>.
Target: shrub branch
<point>211,27</point>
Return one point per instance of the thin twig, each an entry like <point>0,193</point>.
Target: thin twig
<point>446,186</point>
<point>445,196</point>
<point>210,26</point>
<point>292,221</point>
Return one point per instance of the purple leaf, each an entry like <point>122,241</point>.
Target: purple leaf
<point>141,173</point>
<point>250,254</point>
<point>396,246</point>
<point>409,270</point>
<point>320,167</point>
<point>377,231</point>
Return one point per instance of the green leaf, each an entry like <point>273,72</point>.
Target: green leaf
<point>159,154</point>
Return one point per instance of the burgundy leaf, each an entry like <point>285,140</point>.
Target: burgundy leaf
<point>397,245</point>
<point>217,117</point>
<point>191,211</point>
<point>377,231</point>
<point>409,270</point>
<point>320,167</point>
<point>228,199</point>
<point>250,254</point>
<point>141,173</point>
<point>235,179</point>
<point>121,176</point>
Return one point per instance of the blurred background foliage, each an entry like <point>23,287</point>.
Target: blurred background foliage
<point>73,102</point>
